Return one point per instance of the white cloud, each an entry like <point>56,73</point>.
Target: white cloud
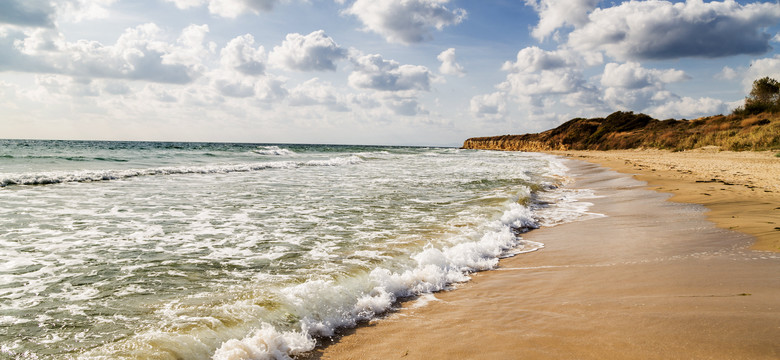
<point>140,53</point>
<point>57,84</point>
<point>665,30</point>
<point>363,100</point>
<point>630,86</point>
<point>689,108</point>
<point>27,12</point>
<point>533,59</point>
<point>186,4</point>
<point>315,92</point>
<point>405,22</point>
<point>405,106</point>
<point>554,14</point>
<point>79,10</point>
<point>234,8</point>
<point>115,87</point>
<point>727,73</point>
<point>449,66</point>
<point>488,105</point>
<point>190,49</point>
<point>760,68</point>
<point>242,56</point>
<point>42,13</point>
<point>313,52</point>
<point>234,84</point>
<point>373,72</point>
<point>538,74</point>
<point>632,75</point>
<point>228,8</point>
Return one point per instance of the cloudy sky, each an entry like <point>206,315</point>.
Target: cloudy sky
<point>405,72</point>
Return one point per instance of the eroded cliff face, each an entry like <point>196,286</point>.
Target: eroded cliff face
<point>508,143</point>
<point>626,130</point>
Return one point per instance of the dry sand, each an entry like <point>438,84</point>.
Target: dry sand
<point>742,189</point>
<point>651,280</point>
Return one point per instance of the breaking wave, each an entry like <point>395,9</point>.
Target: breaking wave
<point>58,177</point>
<point>273,151</point>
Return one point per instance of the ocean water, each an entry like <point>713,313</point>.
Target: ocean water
<point>143,250</point>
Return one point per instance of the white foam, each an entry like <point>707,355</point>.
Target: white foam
<point>289,250</point>
<point>266,343</point>
<point>54,177</point>
<point>566,205</point>
<point>273,151</point>
<point>343,304</point>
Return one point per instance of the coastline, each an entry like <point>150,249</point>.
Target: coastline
<point>740,189</point>
<point>653,279</point>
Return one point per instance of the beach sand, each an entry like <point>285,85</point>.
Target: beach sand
<point>652,279</point>
<point>742,189</point>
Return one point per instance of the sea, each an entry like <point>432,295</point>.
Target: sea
<point>172,250</point>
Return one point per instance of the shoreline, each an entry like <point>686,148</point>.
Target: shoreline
<point>653,279</point>
<point>740,189</point>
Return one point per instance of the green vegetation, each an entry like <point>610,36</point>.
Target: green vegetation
<point>755,126</point>
<point>764,97</point>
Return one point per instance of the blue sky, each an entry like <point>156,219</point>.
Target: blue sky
<point>401,72</point>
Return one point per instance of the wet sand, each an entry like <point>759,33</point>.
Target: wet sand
<point>653,279</point>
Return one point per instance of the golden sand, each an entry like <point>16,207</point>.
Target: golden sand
<point>651,280</point>
<point>742,189</point>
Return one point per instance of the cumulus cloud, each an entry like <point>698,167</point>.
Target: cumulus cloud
<point>727,73</point>
<point>374,72</point>
<point>488,105</point>
<point>537,74</point>
<point>405,22</point>
<point>533,59</point>
<point>405,106</point>
<point>139,53</point>
<point>186,4</point>
<point>228,8</point>
<point>58,84</point>
<point>449,66</point>
<point>315,92</point>
<point>554,14</point>
<point>631,76</point>
<point>190,48</point>
<point>630,86</point>
<point>687,107</point>
<point>759,68</point>
<point>27,13</point>
<point>313,52</point>
<point>241,55</point>
<point>78,10</point>
<point>264,89</point>
<point>44,13</point>
<point>666,30</point>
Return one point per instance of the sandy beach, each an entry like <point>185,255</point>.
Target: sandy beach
<point>653,279</point>
<point>741,189</point>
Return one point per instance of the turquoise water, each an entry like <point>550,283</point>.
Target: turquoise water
<point>144,250</point>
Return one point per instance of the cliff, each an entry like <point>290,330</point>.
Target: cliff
<point>626,130</point>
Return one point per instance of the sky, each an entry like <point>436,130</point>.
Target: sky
<point>381,72</point>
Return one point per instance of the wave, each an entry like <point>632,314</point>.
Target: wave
<point>273,151</point>
<point>68,158</point>
<point>345,304</point>
<point>48,178</point>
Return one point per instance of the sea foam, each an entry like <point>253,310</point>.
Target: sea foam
<point>273,151</point>
<point>344,304</point>
<point>48,178</point>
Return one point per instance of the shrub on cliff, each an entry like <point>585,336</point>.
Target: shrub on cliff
<point>764,97</point>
